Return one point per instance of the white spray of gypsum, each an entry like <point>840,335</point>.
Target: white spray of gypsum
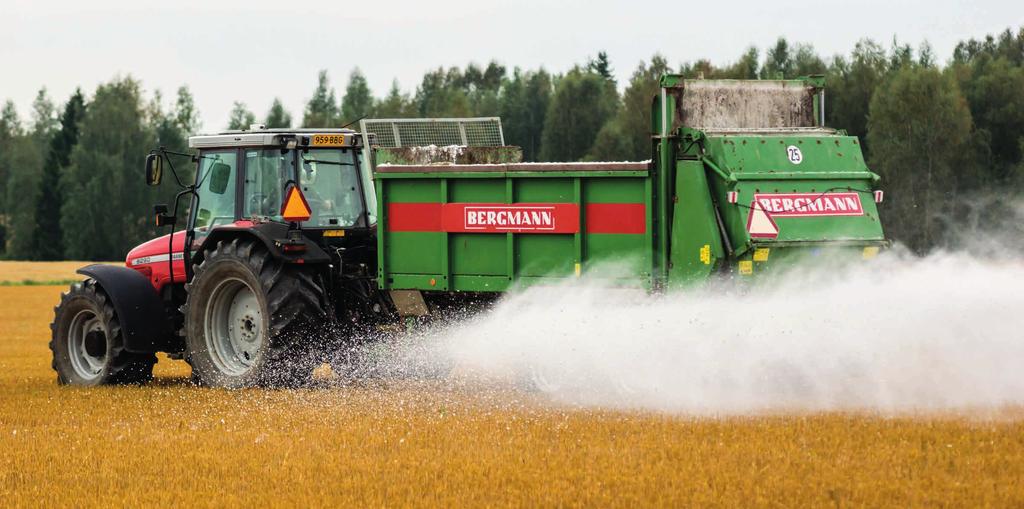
<point>900,334</point>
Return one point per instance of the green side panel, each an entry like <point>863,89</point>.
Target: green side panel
<point>410,252</point>
<point>618,256</point>
<point>545,255</point>
<point>414,252</point>
<point>622,190</point>
<point>500,284</point>
<point>742,154</point>
<point>497,262</point>
<point>549,190</point>
<point>478,254</point>
<point>477,283</point>
<point>696,244</point>
<point>412,191</point>
<point>476,190</point>
<point>418,281</point>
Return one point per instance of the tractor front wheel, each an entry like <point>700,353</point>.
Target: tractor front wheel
<point>87,342</point>
<point>252,320</point>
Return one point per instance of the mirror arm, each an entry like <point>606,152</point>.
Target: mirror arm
<point>164,152</point>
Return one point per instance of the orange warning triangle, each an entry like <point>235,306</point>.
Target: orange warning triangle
<point>295,207</point>
<point>760,224</point>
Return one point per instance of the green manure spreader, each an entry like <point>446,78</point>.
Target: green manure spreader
<point>298,243</point>
<point>743,176</point>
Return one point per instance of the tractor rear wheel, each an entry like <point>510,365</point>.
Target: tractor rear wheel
<point>252,320</point>
<point>88,344</point>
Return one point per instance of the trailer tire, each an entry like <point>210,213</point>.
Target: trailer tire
<point>87,342</point>
<point>251,319</point>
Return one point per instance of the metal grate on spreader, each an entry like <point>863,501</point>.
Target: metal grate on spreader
<point>421,132</point>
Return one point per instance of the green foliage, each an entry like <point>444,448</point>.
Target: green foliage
<point>601,66</point>
<point>806,62</point>
<point>850,85</point>
<point>10,131</point>
<point>49,241</point>
<point>25,158</point>
<point>241,117</point>
<point>186,116</point>
<point>441,94</point>
<point>581,104</point>
<point>918,160</point>
<point>107,205</point>
<point>627,136</point>
<point>358,100</point>
<point>746,68</point>
<point>322,109</point>
<point>995,91</point>
<point>277,116</point>
<point>778,61</point>
<point>524,105</point>
<point>44,117</point>
<point>10,134</point>
<point>395,104</point>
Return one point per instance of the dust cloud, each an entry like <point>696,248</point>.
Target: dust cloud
<point>899,334</point>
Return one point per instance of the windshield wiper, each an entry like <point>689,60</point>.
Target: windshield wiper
<point>335,163</point>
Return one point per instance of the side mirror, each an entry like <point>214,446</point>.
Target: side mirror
<point>154,169</point>
<point>162,218</point>
<point>220,176</point>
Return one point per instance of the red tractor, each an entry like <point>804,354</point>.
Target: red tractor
<point>278,253</point>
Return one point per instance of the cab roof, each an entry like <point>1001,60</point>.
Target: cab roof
<point>258,135</point>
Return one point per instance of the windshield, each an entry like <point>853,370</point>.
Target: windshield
<point>330,182</point>
<point>328,178</point>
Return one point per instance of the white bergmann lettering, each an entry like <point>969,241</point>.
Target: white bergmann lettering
<point>822,204</point>
<point>509,218</point>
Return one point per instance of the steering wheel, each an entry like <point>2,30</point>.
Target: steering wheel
<point>257,203</point>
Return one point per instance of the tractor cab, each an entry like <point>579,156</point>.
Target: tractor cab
<point>249,174</point>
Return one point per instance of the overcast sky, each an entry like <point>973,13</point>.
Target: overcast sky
<point>255,50</point>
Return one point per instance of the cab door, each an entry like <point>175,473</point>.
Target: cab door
<point>215,202</point>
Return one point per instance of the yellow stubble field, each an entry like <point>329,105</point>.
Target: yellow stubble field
<point>421,443</point>
<point>36,273</point>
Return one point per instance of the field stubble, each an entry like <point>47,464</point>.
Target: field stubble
<point>420,443</point>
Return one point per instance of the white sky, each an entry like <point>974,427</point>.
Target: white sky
<point>254,50</point>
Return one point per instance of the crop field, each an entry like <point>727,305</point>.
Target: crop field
<point>414,442</point>
<point>41,273</point>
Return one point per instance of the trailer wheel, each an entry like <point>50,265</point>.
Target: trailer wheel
<point>252,320</point>
<point>87,342</point>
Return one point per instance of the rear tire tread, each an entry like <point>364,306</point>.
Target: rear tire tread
<point>124,367</point>
<point>296,306</point>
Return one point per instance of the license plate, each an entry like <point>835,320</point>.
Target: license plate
<point>329,140</point>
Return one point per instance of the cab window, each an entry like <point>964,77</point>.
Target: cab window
<point>215,186</point>
<point>266,172</point>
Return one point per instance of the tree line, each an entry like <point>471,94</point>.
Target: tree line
<point>940,135</point>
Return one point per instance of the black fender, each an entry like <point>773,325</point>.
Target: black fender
<point>140,310</point>
<point>271,235</point>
